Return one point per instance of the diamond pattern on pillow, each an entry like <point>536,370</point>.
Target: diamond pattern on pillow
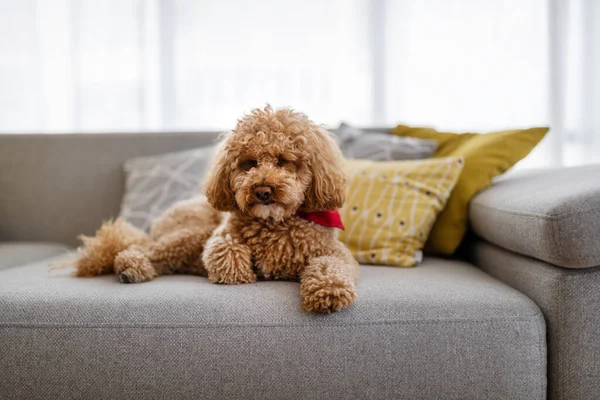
<point>355,143</point>
<point>154,183</point>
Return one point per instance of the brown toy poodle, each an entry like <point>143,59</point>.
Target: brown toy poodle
<point>269,213</point>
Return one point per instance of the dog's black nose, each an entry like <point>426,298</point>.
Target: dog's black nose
<point>263,193</point>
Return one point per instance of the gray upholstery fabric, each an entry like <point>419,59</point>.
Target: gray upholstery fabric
<point>570,301</point>
<point>18,253</point>
<point>55,187</point>
<point>154,183</point>
<point>441,330</point>
<point>551,215</point>
<point>381,146</point>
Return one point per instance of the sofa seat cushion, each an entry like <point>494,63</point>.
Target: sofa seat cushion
<point>13,254</point>
<point>442,330</point>
<point>552,215</point>
<point>570,301</point>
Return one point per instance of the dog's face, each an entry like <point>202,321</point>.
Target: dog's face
<point>270,181</point>
<point>275,163</point>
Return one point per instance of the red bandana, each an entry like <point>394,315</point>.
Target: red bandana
<point>329,218</point>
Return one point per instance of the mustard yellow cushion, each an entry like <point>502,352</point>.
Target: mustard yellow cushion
<point>392,205</point>
<point>486,156</point>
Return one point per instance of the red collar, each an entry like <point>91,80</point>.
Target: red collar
<point>328,218</point>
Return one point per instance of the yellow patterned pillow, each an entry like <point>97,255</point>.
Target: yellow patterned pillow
<point>391,207</point>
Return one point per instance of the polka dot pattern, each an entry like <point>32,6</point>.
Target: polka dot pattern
<point>391,207</point>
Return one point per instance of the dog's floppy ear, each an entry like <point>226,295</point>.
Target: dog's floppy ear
<point>217,186</point>
<point>327,191</point>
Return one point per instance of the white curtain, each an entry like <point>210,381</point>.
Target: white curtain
<point>123,65</point>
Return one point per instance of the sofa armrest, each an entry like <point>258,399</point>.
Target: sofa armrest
<point>551,215</point>
<point>570,302</point>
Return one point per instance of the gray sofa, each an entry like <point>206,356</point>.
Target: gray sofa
<point>517,317</point>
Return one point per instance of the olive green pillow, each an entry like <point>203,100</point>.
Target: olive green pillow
<point>485,156</point>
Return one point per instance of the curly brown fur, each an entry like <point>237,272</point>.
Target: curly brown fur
<point>246,236</point>
<point>302,167</point>
<point>174,245</point>
<point>98,253</point>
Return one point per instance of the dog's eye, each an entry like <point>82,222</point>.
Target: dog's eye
<point>282,161</point>
<point>247,165</point>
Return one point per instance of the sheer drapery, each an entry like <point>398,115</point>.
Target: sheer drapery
<point>120,65</point>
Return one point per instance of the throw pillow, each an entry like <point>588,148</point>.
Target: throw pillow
<point>391,207</point>
<point>381,146</point>
<point>486,156</point>
<point>154,183</point>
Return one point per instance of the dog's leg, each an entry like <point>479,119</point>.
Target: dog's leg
<point>98,253</point>
<point>328,283</point>
<point>181,252</point>
<point>227,260</point>
<point>133,266</point>
<point>178,252</point>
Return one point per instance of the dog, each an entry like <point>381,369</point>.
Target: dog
<point>269,211</point>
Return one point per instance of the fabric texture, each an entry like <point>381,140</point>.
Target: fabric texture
<point>154,183</point>
<point>56,187</point>
<point>486,156</point>
<point>570,301</point>
<point>551,215</point>
<point>443,330</point>
<point>13,254</point>
<point>358,143</point>
<point>391,207</point>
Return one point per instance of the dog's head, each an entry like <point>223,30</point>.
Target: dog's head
<point>274,163</point>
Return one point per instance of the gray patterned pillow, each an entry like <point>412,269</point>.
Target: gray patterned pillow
<point>154,183</point>
<point>381,146</point>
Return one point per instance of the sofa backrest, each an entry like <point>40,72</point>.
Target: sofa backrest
<point>54,187</point>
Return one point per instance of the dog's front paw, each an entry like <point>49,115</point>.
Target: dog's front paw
<point>326,286</point>
<point>228,262</point>
<point>132,266</point>
<point>231,277</point>
<point>327,295</point>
